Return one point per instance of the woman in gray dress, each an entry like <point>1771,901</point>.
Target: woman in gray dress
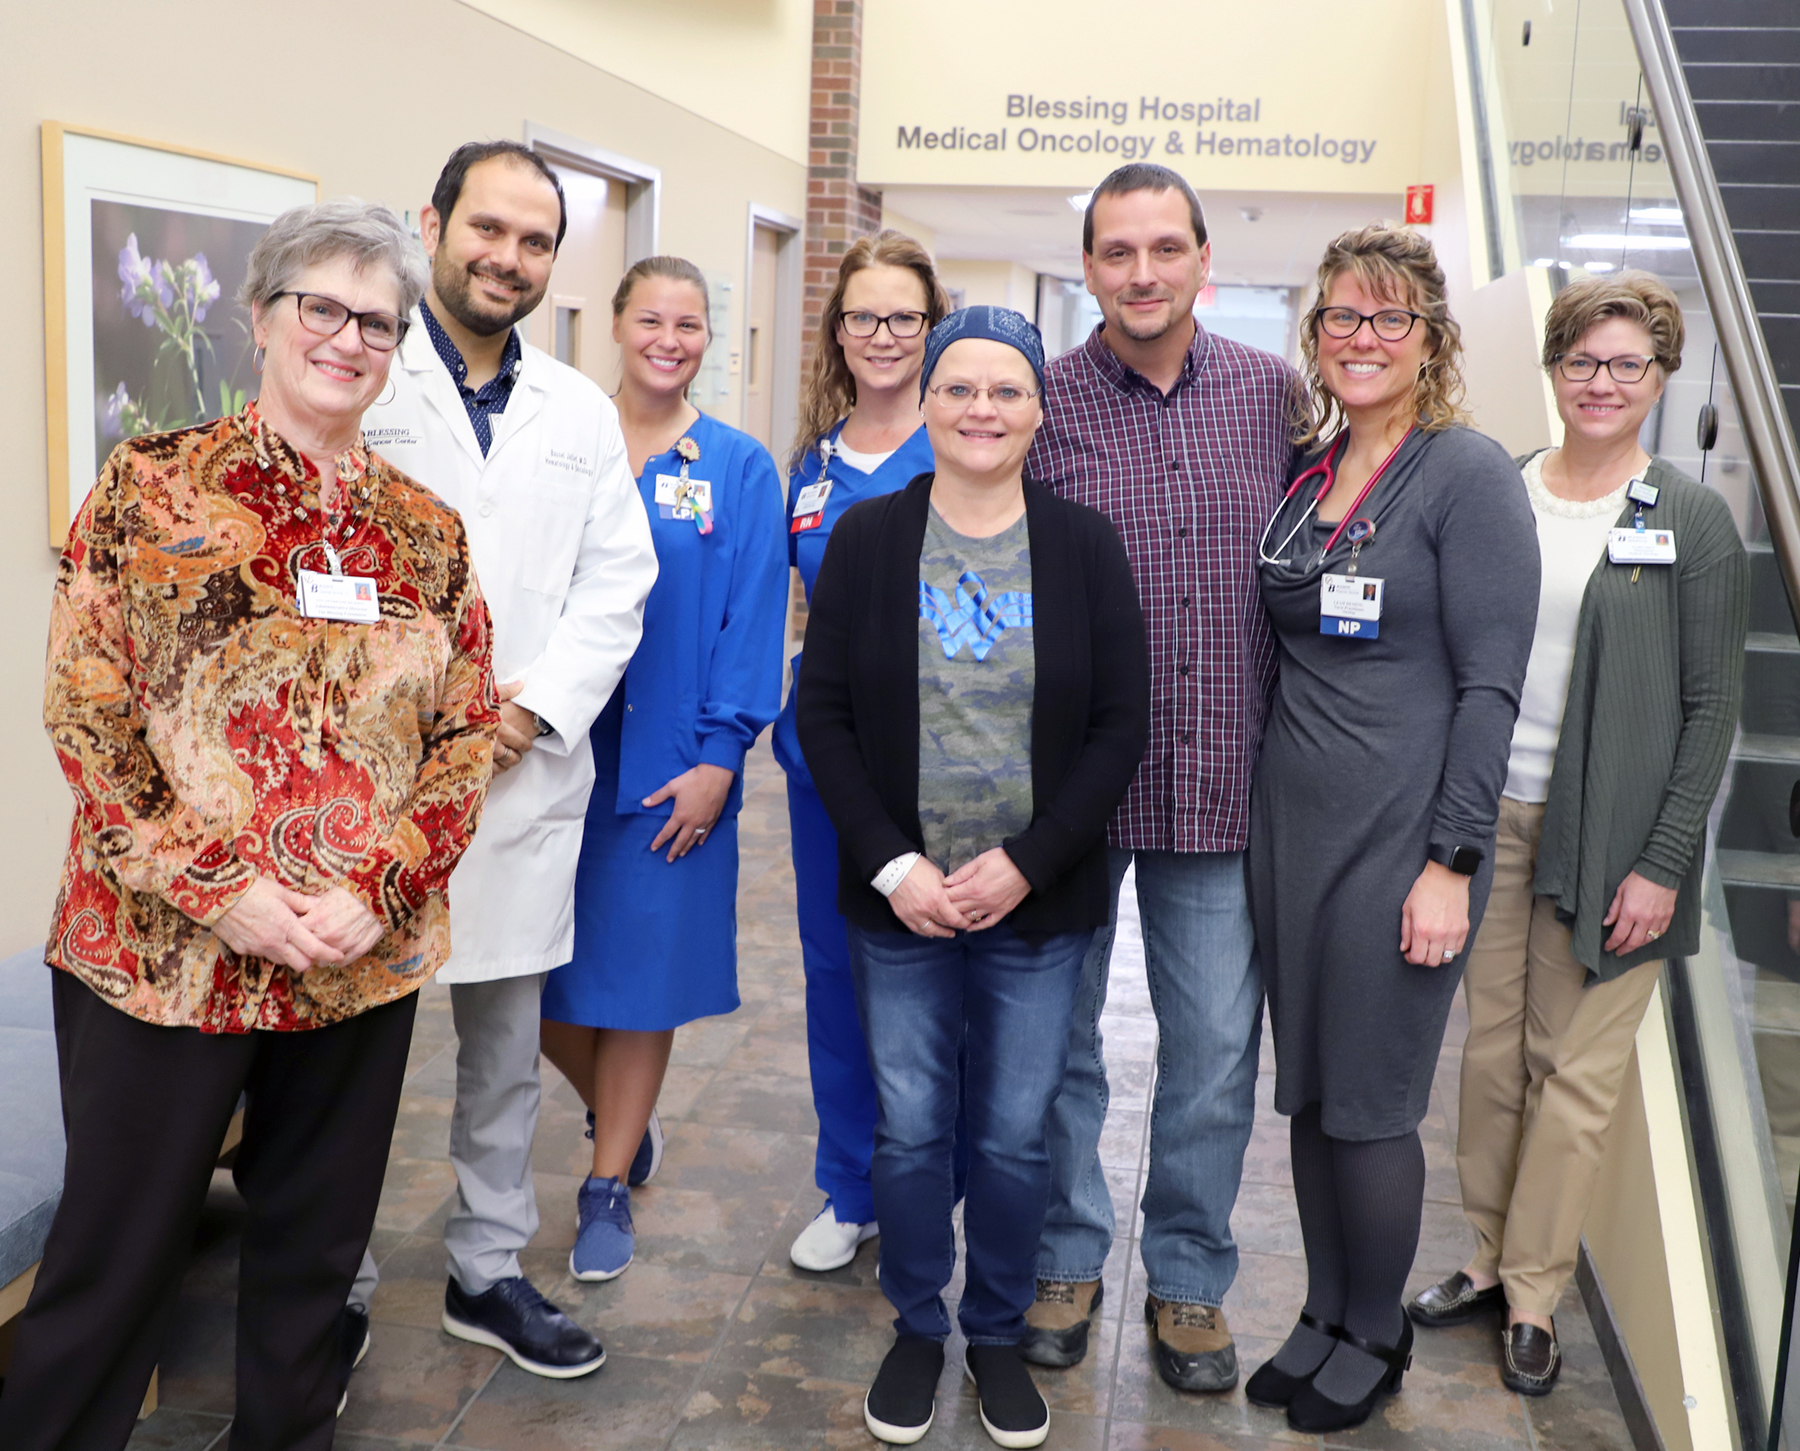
<point>1401,573</point>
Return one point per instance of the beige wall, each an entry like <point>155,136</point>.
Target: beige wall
<point>456,74</point>
<point>998,284</point>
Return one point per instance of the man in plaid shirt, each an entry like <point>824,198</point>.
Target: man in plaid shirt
<point>1183,440</point>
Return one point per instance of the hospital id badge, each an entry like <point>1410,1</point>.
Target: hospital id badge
<point>809,507</point>
<point>1640,546</point>
<point>1350,606</point>
<point>348,597</point>
<point>678,498</point>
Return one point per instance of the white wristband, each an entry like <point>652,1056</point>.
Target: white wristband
<point>894,873</point>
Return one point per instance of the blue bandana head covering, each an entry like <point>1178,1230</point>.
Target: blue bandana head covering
<point>997,324</point>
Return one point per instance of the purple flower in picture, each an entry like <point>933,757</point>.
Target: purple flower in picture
<point>206,287</point>
<point>115,409</point>
<point>136,273</point>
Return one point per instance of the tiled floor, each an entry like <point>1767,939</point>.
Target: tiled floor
<point>714,1340</point>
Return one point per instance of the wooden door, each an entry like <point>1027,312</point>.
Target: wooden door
<point>759,337</point>
<point>574,323</point>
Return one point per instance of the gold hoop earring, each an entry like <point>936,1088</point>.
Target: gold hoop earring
<point>258,358</point>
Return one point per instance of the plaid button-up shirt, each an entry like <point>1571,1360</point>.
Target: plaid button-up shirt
<point>1189,480</point>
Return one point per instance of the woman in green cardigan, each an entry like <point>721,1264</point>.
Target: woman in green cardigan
<point>1626,718</point>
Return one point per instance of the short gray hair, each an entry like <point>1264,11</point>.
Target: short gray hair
<point>368,235</point>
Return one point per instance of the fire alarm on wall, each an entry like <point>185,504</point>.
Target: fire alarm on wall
<point>1418,205</point>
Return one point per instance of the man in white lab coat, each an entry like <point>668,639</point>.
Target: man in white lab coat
<point>529,452</point>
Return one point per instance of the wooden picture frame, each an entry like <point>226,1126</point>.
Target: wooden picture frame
<point>157,317</point>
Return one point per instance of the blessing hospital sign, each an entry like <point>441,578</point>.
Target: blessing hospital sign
<point>971,92</point>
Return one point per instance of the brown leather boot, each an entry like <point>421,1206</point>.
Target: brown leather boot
<point>1056,1325</point>
<point>1194,1350</point>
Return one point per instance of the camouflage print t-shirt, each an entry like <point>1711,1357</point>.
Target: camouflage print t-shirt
<point>977,671</point>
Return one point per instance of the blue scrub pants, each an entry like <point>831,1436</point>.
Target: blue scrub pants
<point>842,1085</point>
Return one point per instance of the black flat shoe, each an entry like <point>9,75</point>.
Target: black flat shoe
<point>1532,1359</point>
<point>1272,1388</point>
<point>1454,1300</point>
<point>1312,1411</point>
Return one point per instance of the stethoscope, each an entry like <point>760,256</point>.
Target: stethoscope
<point>1326,469</point>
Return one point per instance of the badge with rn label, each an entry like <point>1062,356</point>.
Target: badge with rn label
<point>1640,546</point>
<point>1350,606</point>
<point>349,597</point>
<point>809,507</point>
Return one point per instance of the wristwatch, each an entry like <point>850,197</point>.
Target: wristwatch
<point>544,728</point>
<point>1465,861</point>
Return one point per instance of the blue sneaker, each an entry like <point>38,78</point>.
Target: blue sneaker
<point>604,1242</point>
<point>648,1158</point>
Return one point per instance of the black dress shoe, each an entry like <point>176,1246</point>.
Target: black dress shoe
<point>1313,1411</point>
<point>1271,1387</point>
<point>513,1318</point>
<point>1533,1360</point>
<point>1453,1300</point>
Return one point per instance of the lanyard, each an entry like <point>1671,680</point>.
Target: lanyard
<point>1328,471</point>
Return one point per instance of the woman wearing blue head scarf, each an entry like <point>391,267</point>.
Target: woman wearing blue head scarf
<point>974,704</point>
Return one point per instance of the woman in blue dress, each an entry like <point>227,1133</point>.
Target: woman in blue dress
<point>656,888</point>
<point>861,434</point>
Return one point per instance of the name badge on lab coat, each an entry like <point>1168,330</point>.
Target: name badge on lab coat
<point>809,506</point>
<point>349,597</point>
<point>1640,546</point>
<point>678,498</point>
<point>1350,606</point>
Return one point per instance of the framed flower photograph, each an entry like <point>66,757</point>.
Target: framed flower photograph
<point>144,248</point>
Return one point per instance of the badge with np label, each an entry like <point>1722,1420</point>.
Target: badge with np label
<point>1350,606</point>
<point>348,597</point>
<point>1640,546</point>
<point>809,507</point>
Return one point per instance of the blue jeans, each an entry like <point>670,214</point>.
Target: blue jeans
<point>1007,1003</point>
<point>1206,988</point>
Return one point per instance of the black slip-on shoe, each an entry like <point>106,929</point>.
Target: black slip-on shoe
<point>515,1319</point>
<point>353,1345</point>
<point>1454,1300</point>
<point>1012,1412</point>
<point>1191,1345</point>
<point>902,1404</point>
<point>1532,1359</point>
<point>1056,1325</point>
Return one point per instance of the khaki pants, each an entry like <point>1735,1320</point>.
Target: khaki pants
<point>1541,1073</point>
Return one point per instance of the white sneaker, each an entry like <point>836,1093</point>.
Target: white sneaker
<point>825,1244</point>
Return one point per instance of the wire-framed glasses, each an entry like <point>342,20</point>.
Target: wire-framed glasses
<point>1625,368</point>
<point>861,324</point>
<point>1007,397</point>
<point>326,316</point>
<point>1391,324</point>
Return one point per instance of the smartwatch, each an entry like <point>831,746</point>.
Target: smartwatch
<point>1465,861</point>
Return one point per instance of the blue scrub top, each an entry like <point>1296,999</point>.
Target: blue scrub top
<point>806,551</point>
<point>706,678</point>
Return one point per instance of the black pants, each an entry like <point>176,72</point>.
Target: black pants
<point>145,1109</point>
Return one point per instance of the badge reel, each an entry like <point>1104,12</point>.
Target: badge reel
<point>809,503</point>
<point>679,497</point>
<point>1349,603</point>
<point>1640,545</point>
<point>352,598</point>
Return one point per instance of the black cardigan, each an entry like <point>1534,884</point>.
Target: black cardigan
<point>1090,712</point>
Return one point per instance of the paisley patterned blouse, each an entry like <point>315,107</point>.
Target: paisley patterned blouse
<point>212,735</point>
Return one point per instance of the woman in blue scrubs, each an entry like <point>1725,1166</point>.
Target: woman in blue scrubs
<point>861,434</point>
<point>656,887</point>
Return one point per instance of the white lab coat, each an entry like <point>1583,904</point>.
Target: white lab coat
<point>563,552</point>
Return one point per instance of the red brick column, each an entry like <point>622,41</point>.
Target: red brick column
<point>838,211</point>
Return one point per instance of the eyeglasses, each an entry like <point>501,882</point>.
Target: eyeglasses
<point>899,324</point>
<point>325,316</point>
<point>1626,368</point>
<point>1391,324</point>
<point>1007,397</point>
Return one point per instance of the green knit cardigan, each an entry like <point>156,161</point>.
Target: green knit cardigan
<point>1654,695</point>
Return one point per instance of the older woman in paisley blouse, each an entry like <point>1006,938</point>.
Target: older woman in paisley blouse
<point>270,690</point>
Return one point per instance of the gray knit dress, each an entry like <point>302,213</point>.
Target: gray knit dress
<point>1376,750</point>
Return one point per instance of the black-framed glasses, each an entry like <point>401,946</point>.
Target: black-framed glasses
<point>899,324</point>
<point>1007,397</point>
<point>1625,368</point>
<point>1391,324</point>
<point>326,316</point>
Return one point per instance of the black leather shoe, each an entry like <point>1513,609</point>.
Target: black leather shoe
<point>1191,1345</point>
<point>1313,1411</point>
<point>1056,1325</point>
<point>1533,1360</point>
<point>1271,1387</point>
<point>513,1318</point>
<point>1454,1300</point>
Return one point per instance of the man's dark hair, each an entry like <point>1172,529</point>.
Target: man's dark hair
<point>1143,176</point>
<point>450,180</point>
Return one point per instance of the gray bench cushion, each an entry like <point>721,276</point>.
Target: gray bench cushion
<point>31,1135</point>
